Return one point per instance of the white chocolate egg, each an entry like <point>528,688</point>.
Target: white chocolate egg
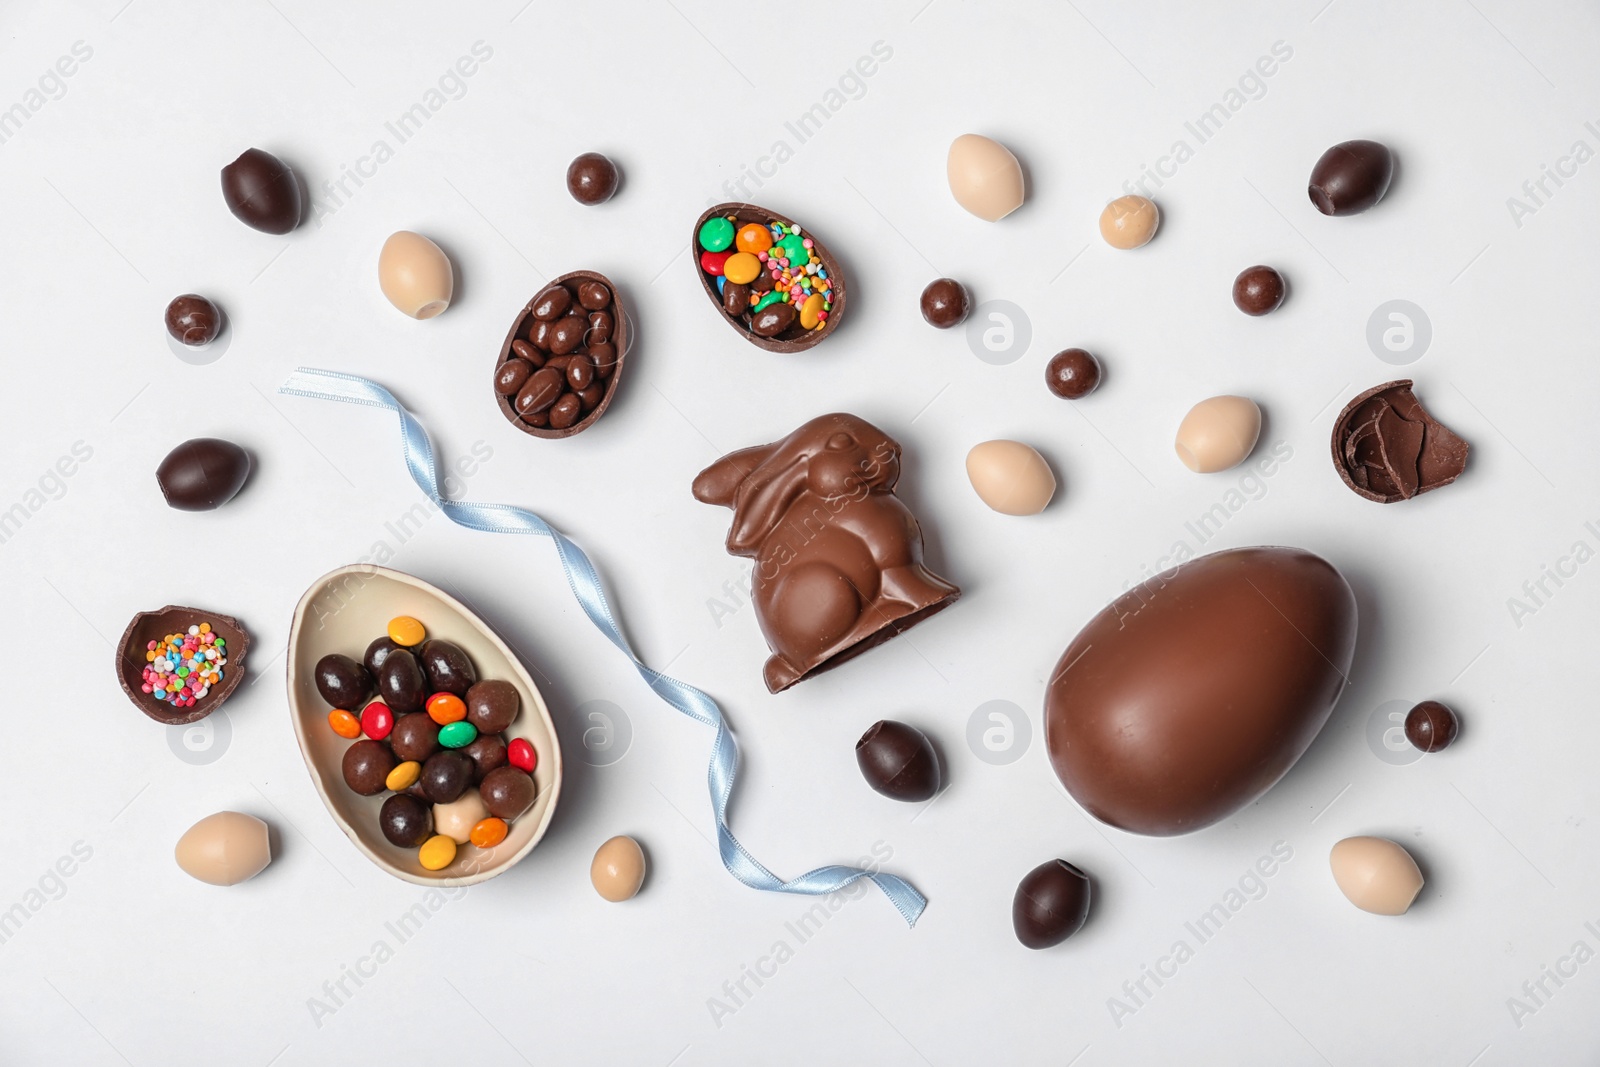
<point>1375,874</point>
<point>985,177</point>
<point>415,274</point>
<point>1129,221</point>
<point>618,869</point>
<point>224,849</point>
<point>1218,433</point>
<point>1011,477</point>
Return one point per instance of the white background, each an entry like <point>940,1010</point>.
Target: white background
<point>111,207</point>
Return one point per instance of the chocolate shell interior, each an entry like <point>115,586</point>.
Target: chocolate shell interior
<point>621,337</point>
<point>796,338</point>
<point>150,626</point>
<point>1386,447</point>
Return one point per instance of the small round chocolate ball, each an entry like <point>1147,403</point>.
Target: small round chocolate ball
<point>1258,290</point>
<point>445,776</point>
<point>405,821</point>
<point>507,791</point>
<point>366,766</point>
<point>193,320</point>
<point>342,682</point>
<point>1072,374</point>
<point>592,178</point>
<point>1431,726</point>
<point>487,753</point>
<point>415,736</point>
<point>492,705</point>
<point>945,303</point>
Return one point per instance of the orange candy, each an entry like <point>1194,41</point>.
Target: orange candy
<point>488,832</point>
<point>752,239</point>
<point>344,724</point>
<point>446,708</point>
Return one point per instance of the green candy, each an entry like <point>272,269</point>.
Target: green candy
<point>795,250</point>
<point>768,300</point>
<point>457,734</point>
<point>716,234</point>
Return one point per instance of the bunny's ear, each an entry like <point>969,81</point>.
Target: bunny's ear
<point>763,499</point>
<point>718,483</point>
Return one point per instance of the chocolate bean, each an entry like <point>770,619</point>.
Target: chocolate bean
<point>567,334</point>
<point>415,736</point>
<point>446,667</point>
<point>487,752</point>
<point>1072,374</point>
<point>580,373</point>
<point>552,302</point>
<point>945,303</point>
<point>537,419</point>
<point>525,350</point>
<point>565,412</point>
<point>592,396</point>
<point>1351,177</point>
<point>366,765</point>
<point>543,389</point>
<point>1051,904</point>
<point>342,682</point>
<point>539,335</point>
<point>600,324</point>
<point>772,320</point>
<point>898,761</point>
<point>735,298</point>
<point>507,792</point>
<point>594,296</point>
<point>604,357</point>
<point>1431,726</point>
<point>445,776</point>
<point>400,682</point>
<point>406,822</point>
<point>592,178</point>
<point>377,652</point>
<point>764,283</point>
<point>193,320</point>
<point>513,374</point>
<point>492,705</point>
<point>1258,290</point>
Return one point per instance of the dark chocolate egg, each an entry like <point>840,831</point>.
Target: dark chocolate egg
<point>262,192</point>
<point>400,682</point>
<point>1351,177</point>
<point>447,668</point>
<point>377,652</point>
<point>203,474</point>
<point>1051,904</point>
<point>898,761</point>
<point>1190,695</point>
<point>342,681</point>
<point>405,821</point>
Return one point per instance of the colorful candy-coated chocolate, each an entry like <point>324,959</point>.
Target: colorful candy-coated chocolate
<point>458,734</point>
<point>437,853</point>
<point>403,777</point>
<point>811,312</point>
<point>714,263</point>
<point>489,832</point>
<point>741,268</point>
<point>753,238</point>
<point>377,721</point>
<point>344,723</point>
<point>521,753</point>
<point>767,300</point>
<point>446,708</point>
<point>716,234</point>
<point>404,630</point>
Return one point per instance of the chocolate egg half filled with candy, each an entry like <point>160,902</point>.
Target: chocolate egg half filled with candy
<point>770,279</point>
<point>1189,696</point>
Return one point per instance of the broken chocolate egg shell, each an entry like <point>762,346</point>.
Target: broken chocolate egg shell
<point>621,337</point>
<point>1386,447</point>
<point>150,626</point>
<point>795,338</point>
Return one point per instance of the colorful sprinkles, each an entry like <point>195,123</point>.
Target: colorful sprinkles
<point>181,668</point>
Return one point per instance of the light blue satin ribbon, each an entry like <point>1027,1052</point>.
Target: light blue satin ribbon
<point>585,584</point>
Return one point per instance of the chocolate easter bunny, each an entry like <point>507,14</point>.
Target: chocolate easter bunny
<point>838,557</point>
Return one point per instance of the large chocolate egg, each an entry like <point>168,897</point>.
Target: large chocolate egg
<point>1189,696</point>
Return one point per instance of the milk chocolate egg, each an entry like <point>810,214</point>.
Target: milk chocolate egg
<point>262,192</point>
<point>203,474</point>
<point>985,177</point>
<point>1190,695</point>
<point>415,274</point>
<point>224,849</point>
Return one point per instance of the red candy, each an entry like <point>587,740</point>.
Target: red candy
<point>522,755</point>
<point>711,262</point>
<point>377,720</point>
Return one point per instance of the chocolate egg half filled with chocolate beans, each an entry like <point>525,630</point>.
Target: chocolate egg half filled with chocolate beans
<point>1190,695</point>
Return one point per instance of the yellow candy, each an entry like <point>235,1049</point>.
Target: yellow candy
<point>740,268</point>
<point>810,310</point>
<point>403,777</point>
<point>404,630</point>
<point>205,627</point>
<point>437,853</point>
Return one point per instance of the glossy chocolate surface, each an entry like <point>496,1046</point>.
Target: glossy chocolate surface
<point>203,474</point>
<point>262,192</point>
<point>1431,726</point>
<point>1051,904</point>
<point>193,320</point>
<point>838,557</point>
<point>446,668</point>
<point>507,792</point>
<point>1258,290</point>
<point>366,764</point>
<point>400,682</point>
<point>1387,447</point>
<point>343,682</point>
<point>445,776</point>
<point>592,178</point>
<point>1192,694</point>
<point>1351,177</point>
<point>415,736</point>
<point>405,821</point>
<point>945,303</point>
<point>492,704</point>
<point>1072,374</point>
<point>898,761</point>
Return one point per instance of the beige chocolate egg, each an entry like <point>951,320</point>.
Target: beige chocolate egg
<point>1375,874</point>
<point>415,274</point>
<point>1218,433</point>
<point>618,869</point>
<point>224,849</point>
<point>985,177</point>
<point>1129,221</point>
<point>456,819</point>
<point>1010,477</point>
